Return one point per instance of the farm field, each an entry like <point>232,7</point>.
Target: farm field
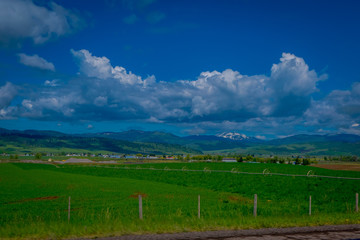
<point>104,199</point>
<point>339,166</point>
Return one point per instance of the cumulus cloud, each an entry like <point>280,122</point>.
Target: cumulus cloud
<point>286,92</point>
<point>36,62</point>
<point>215,100</point>
<point>23,19</point>
<point>100,67</point>
<point>292,83</point>
<point>292,76</point>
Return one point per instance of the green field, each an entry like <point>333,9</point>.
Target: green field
<point>104,202</point>
<point>297,149</point>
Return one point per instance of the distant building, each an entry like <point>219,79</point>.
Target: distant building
<point>229,160</point>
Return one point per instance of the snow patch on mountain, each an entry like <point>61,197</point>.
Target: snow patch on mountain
<point>233,136</point>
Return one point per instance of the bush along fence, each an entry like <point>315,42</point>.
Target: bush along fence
<point>255,206</point>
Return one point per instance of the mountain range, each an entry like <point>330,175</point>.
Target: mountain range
<point>155,142</point>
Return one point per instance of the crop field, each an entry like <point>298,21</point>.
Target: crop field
<point>104,198</point>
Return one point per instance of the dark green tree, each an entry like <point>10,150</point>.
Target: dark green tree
<point>38,156</point>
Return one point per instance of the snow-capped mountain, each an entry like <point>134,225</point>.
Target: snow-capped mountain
<point>233,136</point>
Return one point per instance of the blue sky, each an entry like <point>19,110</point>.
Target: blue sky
<point>263,68</point>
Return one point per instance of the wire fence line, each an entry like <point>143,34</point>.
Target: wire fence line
<point>266,172</point>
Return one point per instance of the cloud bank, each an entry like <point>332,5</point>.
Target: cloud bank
<point>217,100</point>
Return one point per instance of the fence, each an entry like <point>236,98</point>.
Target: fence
<point>255,206</point>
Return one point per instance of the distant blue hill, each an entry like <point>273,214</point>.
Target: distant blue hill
<point>332,144</point>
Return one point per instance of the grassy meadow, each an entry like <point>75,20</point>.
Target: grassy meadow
<point>104,199</point>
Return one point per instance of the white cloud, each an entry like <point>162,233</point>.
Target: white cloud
<point>22,19</point>
<point>286,92</point>
<point>216,92</point>
<point>51,106</point>
<point>36,62</point>
<point>52,83</point>
<point>292,76</point>
<point>100,67</point>
<point>7,94</point>
<point>291,84</point>
<point>92,66</point>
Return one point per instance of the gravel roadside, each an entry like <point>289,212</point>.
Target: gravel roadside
<point>320,232</point>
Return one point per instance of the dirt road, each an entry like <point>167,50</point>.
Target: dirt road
<point>348,232</point>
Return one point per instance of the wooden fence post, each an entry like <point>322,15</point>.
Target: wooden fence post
<point>310,206</point>
<point>140,208</point>
<point>255,205</point>
<point>69,209</point>
<point>199,206</point>
<point>357,202</point>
